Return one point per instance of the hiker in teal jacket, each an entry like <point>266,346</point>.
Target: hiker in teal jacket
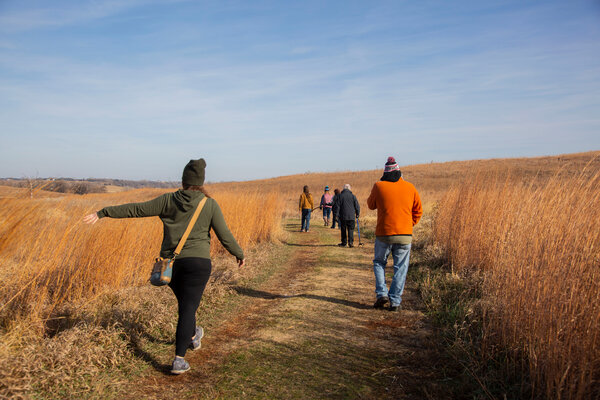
<point>192,267</point>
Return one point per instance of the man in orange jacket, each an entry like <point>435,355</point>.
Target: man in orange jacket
<point>398,208</point>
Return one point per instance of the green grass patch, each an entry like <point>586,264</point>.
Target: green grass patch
<point>317,368</point>
<point>454,304</point>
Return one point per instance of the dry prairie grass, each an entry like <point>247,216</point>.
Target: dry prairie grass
<point>537,242</point>
<point>431,180</point>
<point>95,348</point>
<point>50,257</point>
<point>51,261</point>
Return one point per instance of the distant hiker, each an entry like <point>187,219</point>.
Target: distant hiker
<point>191,269</point>
<point>326,205</point>
<point>349,211</point>
<point>306,207</point>
<point>335,209</point>
<point>398,209</point>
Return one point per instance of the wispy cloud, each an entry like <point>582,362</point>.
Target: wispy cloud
<point>60,13</point>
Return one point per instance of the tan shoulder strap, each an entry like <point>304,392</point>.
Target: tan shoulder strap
<point>189,227</point>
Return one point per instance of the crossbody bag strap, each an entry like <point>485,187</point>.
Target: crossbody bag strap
<point>189,228</point>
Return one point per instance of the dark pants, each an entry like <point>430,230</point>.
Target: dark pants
<point>347,230</point>
<point>190,276</point>
<point>334,219</point>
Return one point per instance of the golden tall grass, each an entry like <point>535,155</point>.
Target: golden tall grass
<point>538,243</point>
<point>431,180</point>
<point>50,257</point>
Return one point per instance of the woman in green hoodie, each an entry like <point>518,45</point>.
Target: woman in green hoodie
<point>192,267</point>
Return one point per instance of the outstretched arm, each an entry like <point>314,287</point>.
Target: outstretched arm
<point>132,210</point>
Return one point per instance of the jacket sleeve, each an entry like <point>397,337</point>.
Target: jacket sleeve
<point>300,203</point>
<point>322,203</point>
<point>222,231</point>
<point>372,200</point>
<point>150,208</point>
<point>356,207</point>
<point>417,210</point>
<point>310,200</point>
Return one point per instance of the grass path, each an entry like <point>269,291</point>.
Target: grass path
<point>309,331</point>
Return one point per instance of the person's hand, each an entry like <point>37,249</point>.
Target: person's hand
<point>91,218</point>
<point>241,262</point>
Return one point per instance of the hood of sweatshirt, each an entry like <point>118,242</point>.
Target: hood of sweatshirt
<point>187,199</point>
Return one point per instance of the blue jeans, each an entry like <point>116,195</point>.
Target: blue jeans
<point>401,255</point>
<point>305,219</point>
<point>326,212</point>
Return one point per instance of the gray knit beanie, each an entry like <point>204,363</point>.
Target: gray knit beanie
<point>193,173</point>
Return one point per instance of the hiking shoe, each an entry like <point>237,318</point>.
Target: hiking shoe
<point>196,344</point>
<point>341,245</point>
<point>395,308</point>
<point>179,366</point>
<point>350,245</point>
<point>380,302</point>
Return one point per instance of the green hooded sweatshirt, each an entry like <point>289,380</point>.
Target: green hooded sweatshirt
<point>175,211</point>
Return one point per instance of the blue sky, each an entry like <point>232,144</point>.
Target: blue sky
<point>134,89</point>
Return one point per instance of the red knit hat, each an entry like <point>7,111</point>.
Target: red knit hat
<point>391,165</point>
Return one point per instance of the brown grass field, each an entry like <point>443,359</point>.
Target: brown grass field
<point>529,226</point>
<point>50,257</point>
<point>538,245</point>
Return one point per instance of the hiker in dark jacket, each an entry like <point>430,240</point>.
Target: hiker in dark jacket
<point>191,269</point>
<point>335,209</point>
<point>349,211</point>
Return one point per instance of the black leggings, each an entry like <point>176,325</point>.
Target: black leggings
<point>190,276</point>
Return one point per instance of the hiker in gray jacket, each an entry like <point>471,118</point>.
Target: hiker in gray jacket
<point>349,211</point>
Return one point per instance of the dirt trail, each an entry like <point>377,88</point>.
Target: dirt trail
<point>310,331</point>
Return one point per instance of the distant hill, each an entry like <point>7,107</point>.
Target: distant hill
<point>432,179</point>
<point>83,186</point>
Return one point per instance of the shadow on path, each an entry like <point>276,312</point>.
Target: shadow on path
<point>132,331</point>
<point>309,245</point>
<point>137,350</point>
<point>271,296</point>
